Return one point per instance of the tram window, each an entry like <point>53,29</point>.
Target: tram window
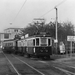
<point>37,41</point>
<point>49,42</point>
<point>34,42</point>
<point>43,40</point>
<point>11,44</point>
<point>6,44</point>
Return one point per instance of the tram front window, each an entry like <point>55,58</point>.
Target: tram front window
<point>43,41</point>
<point>37,41</point>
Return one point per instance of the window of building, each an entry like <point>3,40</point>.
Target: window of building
<point>6,36</point>
<point>15,30</point>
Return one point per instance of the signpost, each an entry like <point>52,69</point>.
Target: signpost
<point>71,39</point>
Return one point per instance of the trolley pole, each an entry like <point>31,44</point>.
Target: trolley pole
<point>71,49</point>
<point>56,28</point>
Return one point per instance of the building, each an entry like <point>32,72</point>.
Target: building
<point>9,33</point>
<point>13,31</point>
<point>4,36</point>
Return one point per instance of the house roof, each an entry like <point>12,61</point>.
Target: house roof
<point>13,28</point>
<point>5,33</point>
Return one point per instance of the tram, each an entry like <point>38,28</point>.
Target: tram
<point>37,45</point>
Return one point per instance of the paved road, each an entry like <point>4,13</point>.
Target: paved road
<point>16,65</point>
<point>5,67</point>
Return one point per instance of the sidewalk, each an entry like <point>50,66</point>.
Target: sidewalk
<point>66,59</point>
<point>63,58</point>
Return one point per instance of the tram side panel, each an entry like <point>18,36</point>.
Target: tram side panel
<point>22,46</point>
<point>19,46</point>
<point>30,47</point>
<point>8,46</point>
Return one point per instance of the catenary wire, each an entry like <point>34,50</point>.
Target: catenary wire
<point>60,3</point>
<point>19,11</point>
<point>53,8</point>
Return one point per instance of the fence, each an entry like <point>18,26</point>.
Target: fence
<point>68,49</point>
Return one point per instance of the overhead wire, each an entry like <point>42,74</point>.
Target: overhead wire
<point>53,8</point>
<point>19,11</point>
<point>47,12</point>
<point>60,3</point>
<point>40,16</point>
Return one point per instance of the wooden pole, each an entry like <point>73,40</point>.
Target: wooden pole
<point>71,49</point>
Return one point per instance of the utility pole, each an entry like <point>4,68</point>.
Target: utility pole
<point>56,41</point>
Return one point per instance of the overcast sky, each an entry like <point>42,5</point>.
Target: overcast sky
<point>34,9</point>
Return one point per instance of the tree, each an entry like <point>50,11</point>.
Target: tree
<point>64,29</point>
<point>68,29</point>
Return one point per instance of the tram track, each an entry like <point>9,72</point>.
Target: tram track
<point>69,70</point>
<point>25,68</point>
<point>21,67</point>
<point>66,67</point>
<point>46,69</point>
<point>5,67</point>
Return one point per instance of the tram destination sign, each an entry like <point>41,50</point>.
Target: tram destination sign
<point>70,38</point>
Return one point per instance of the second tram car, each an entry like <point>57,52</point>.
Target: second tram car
<point>8,46</point>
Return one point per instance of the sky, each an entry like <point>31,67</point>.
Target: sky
<point>34,9</point>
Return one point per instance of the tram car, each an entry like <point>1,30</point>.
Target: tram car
<point>9,46</point>
<point>39,45</point>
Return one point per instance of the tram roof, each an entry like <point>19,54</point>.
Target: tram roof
<point>36,36</point>
<point>31,37</point>
<point>42,36</point>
